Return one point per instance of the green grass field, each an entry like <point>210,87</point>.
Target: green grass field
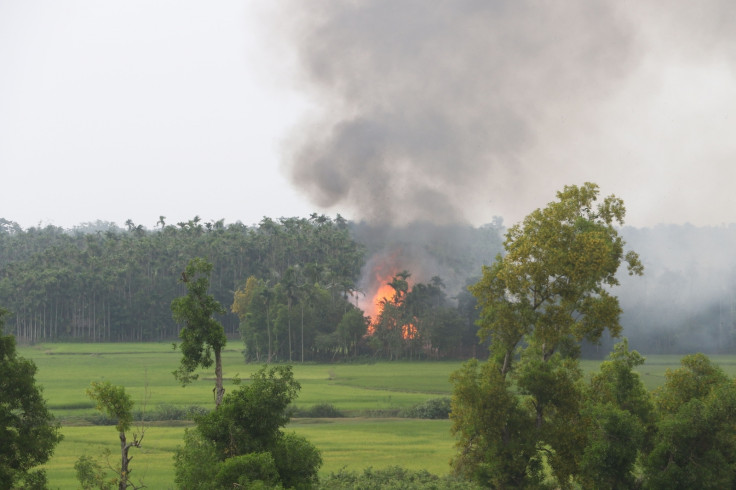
<point>66,370</point>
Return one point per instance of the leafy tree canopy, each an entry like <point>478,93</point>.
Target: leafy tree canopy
<point>552,285</point>
<point>695,445</point>
<point>114,401</point>
<point>242,443</point>
<point>28,431</point>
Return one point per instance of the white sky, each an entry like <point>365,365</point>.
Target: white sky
<point>117,110</point>
<point>134,109</point>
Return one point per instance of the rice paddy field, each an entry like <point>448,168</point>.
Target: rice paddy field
<point>370,395</point>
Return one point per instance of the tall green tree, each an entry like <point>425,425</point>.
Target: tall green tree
<point>254,303</point>
<point>552,285</point>
<point>495,446</point>
<point>117,404</point>
<point>202,335</point>
<point>550,291</point>
<point>28,431</point>
<point>619,418</point>
<point>351,328</point>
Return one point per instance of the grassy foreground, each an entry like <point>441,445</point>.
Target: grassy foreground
<point>354,443</point>
<point>370,394</point>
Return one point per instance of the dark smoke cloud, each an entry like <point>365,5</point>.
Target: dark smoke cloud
<point>427,109</point>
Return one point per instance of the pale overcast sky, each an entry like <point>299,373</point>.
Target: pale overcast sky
<point>381,109</point>
<point>114,110</point>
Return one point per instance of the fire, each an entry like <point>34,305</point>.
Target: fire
<point>373,309</point>
<point>409,331</point>
<point>384,293</point>
<point>383,273</point>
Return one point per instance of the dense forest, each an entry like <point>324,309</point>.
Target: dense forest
<point>99,282</point>
<point>314,283</point>
<point>290,285</point>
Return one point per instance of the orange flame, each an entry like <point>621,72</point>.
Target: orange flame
<point>409,331</point>
<point>385,292</point>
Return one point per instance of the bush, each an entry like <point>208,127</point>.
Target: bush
<point>194,411</point>
<point>196,462</point>
<point>393,478</point>
<point>434,408</point>
<point>243,471</point>
<point>322,410</point>
<point>381,413</point>
<point>164,411</point>
<point>297,461</point>
<point>247,426</point>
<point>167,411</point>
<point>91,474</point>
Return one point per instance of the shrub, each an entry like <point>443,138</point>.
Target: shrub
<point>322,410</point>
<point>91,474</point>
<point>247,425</point>
<point>297,461</point>
<point>196,462</point>
<point>393,478</point>
<point>434,408</point>
<point>381,413</point>
<point>194,411</point>
<point>243,471</point>
<point>166,411</point>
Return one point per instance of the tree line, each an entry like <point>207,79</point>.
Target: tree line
<point>100,282</point>
<point>289,286</point>
<point>103,283</point>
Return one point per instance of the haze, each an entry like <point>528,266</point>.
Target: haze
<point>385,110</point>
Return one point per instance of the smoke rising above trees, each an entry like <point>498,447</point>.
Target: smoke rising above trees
<point>527,96</point>
<point>426,106</point>
<point>464,110</point>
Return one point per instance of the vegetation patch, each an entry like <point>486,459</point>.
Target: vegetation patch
<point>434,408</point>
<point>393,478</point>
<point>321,410</point>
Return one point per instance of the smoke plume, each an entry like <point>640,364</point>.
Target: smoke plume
<point>427,109</point>
<point>463,110</point>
